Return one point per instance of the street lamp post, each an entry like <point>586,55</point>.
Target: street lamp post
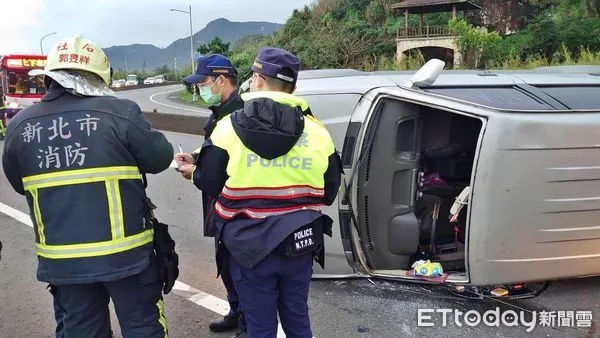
<point>42,39</point>
<point>194,97</point>
<point>191,34</point>
<point>131,51</point>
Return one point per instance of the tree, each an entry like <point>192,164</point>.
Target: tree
<point>592,7</point>
<point>216,46</point>
<point>476,45</point>
<point>246,42</point>
<point>162,69</point>
<point>119,74</point>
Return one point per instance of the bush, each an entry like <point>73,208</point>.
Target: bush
<point>477,46</point>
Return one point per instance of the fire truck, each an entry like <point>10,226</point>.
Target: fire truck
<point>17,89</point>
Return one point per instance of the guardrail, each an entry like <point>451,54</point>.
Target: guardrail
<point>168,83</point>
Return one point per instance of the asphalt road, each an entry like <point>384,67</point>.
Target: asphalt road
<point>338,308</point>
<point>163,99</point>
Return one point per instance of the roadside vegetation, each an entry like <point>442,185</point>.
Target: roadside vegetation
<point>186,96</point>
<point>361,34</point>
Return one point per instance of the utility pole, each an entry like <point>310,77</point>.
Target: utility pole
<point>127,70</point>
<point>192,42</point>
<point>175,66</point>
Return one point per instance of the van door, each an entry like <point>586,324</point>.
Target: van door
<point>387,177</point>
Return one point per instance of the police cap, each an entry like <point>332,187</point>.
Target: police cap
<point>211,65</point>
<point>277,63</point>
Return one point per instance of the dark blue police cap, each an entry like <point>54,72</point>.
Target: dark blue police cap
<point>211,65</point>
<point>277,63</point>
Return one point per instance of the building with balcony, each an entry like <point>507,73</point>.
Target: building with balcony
<point>432,41</point>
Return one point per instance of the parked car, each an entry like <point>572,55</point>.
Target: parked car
<point>150,80</point>
<point>132,80</point>
<point>493,174</point>
<point>159,79</point>
<point>118,83</point>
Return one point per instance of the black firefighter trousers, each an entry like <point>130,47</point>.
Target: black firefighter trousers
<point>138,305</point>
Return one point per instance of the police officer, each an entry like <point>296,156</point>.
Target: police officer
<point>274,167</point>
<point>216,80</point>
<point>79,156</point>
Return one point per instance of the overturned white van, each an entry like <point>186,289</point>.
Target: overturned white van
<point>523,148</point>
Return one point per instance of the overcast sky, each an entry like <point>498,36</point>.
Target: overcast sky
<point>123,22</point>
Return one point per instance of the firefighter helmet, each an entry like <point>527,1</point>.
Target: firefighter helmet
<point>77,53</point>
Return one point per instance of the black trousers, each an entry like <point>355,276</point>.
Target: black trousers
<point>232,295</point>
<point>138,304</point>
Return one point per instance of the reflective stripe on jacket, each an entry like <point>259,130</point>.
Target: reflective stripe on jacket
<point>274,167</point>
<point>259,188</point>
<point>80,161</point>
<point>120,240</point>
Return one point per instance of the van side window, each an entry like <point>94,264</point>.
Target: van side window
<point>406,139</point>
<point>496,97</point>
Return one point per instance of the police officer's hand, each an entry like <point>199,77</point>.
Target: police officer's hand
<point>184,159</point>
<point>186,170</point>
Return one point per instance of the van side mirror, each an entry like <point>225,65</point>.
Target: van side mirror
<point>427,75</point>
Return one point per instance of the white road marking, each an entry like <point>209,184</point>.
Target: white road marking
<point>16,214</point>
<point>207,301</point>
<point>204,112</point>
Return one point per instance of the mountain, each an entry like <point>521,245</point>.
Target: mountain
<point>148,57</point>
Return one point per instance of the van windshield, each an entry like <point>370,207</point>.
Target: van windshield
<point>131,77</point>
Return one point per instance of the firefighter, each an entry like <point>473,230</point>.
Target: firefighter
<point>274,167</point>
<point>216,81</point>
<point>80,157</point>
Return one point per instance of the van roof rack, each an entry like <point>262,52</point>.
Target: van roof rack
<point>582,69</point>
<point>327,73</point>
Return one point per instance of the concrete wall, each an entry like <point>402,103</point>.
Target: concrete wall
<point>187,124</point>
<point>403,45</point>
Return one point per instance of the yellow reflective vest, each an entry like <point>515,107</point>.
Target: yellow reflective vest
<point>259,187</point>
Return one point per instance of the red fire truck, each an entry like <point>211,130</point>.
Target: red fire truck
<point>17,89</point>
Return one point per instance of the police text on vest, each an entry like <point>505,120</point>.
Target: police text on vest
<point>294,162</point>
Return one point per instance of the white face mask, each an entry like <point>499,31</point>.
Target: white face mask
<point>253,83</point>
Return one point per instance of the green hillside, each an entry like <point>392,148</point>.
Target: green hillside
<point>361,34</point>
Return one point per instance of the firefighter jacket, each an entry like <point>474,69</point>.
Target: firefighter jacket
<point>79,162</point>
<point>233,103</point>
<point>274,167</point>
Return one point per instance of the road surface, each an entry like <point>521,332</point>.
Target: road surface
<point>338,308</point>
<point>163,99</point>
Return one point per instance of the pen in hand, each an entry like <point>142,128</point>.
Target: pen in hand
<point>180,150</point>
